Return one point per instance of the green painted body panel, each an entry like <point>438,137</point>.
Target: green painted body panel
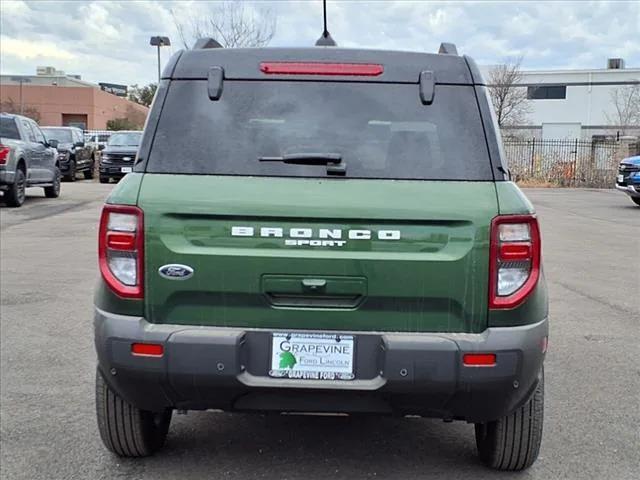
<point>511,199</point>
<point>126,193</point>
<point>434,278</point>
<point>106,300</point>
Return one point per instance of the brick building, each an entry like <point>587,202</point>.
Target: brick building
<point>62,100</point>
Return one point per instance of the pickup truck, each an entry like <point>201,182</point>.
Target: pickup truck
<point>27,159</point>
<point>75,154</point>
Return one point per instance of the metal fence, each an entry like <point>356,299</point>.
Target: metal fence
<point>575,163</point>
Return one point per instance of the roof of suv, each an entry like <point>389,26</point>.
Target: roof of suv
<point>60,128</point>
<point>399,67</point>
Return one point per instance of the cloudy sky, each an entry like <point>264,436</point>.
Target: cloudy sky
<point>108,40</point>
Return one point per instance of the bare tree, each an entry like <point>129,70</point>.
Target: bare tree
<point>230,23</point>
<point>509,100</point>
<point>11,106</point>
<point>625,113</point>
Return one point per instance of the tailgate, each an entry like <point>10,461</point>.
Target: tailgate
<point>318,254</point>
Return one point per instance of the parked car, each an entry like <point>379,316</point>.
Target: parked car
<point>118,156</point>
<point>628,180</point>
<point>74,153</point>
<point>27,159</point>
<point>310,232</point>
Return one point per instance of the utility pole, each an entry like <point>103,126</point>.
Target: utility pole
<point>21,81</point>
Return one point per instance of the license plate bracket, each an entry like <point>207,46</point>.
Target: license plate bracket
<point>312,356</point>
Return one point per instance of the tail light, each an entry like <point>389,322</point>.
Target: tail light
<point>4,154</point>
<point>121,249</point>
<point>514,259</point>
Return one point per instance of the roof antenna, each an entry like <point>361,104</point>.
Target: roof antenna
<point>325,39</point>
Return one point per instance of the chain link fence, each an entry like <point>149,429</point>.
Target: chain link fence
<point>571,163</point>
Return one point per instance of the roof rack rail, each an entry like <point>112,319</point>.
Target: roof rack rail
<point>206,42</point>
<point>448,48</point>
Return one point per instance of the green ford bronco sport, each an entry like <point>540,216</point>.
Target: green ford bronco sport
<point>321,230</point>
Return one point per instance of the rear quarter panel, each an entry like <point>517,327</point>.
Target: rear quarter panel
<point>512,201</point>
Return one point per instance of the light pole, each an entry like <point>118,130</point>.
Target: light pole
<point>159,42</point>
<point>21,80</point>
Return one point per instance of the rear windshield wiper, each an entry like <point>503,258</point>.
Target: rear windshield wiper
<point>333,161</point>
<point>306,158</point>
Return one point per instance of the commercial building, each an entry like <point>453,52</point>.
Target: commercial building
<point>577,103</point>
<point>58,99</point>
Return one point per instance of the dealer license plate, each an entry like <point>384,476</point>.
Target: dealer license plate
<point>312,356</point>
<point>620,178</point>
<point>126,169</point>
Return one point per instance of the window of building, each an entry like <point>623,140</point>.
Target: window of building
<point>546,92</point>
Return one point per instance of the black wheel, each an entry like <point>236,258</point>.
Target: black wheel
<point>88,174</point>
<point>16,193</point>
<point>636,201</point>
<point>126,430</point>
<point>71,176</point>
<point>54,190</point>
<point>104,179</point>
<point>513,442</point>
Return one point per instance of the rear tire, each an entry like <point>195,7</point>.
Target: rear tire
<point>104,179</point>
<point>71,176</point>
<point>512,443</point>
<point>126,430</point>
<point>636,201</point>
<point>16,193</point>
<point>54,190</point>
<point>88,174</point>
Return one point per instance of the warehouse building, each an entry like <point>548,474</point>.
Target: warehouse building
<point>578,103</point>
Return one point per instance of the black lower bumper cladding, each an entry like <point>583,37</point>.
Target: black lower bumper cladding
<point>395,373</point>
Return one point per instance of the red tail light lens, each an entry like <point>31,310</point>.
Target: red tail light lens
<point>479,359</point>
<point>514,259</point>
<point>147,349</point>
<point>322,68</point>
<point>4,154</point>
<point>121,249</point>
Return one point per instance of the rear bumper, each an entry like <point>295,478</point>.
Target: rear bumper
<point>113,170</point>
<point>399,373</point>
<point>7,177</point>
<point>631,190</point>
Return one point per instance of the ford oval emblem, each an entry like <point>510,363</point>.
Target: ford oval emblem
<point>175,271</point>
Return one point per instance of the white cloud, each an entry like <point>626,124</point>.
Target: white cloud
<point>32,49</point>
<point>109,40</point>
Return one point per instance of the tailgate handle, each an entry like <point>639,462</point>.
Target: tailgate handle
<point>314,284</point>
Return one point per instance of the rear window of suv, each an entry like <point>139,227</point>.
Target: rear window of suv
<point>379,130</point>
<point>9,129</point>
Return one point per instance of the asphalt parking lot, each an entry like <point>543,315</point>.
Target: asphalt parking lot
<point>48,431</point>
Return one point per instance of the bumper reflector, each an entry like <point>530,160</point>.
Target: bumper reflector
<point>479,359</point>
<point>147,349</point>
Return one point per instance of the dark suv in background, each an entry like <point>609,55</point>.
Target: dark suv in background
<point>74,154</point>
<point>118,156</point>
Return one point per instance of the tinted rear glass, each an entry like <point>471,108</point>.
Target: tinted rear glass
<point>63,136</point>
<point>379,130</point>
<point>8,128</point>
